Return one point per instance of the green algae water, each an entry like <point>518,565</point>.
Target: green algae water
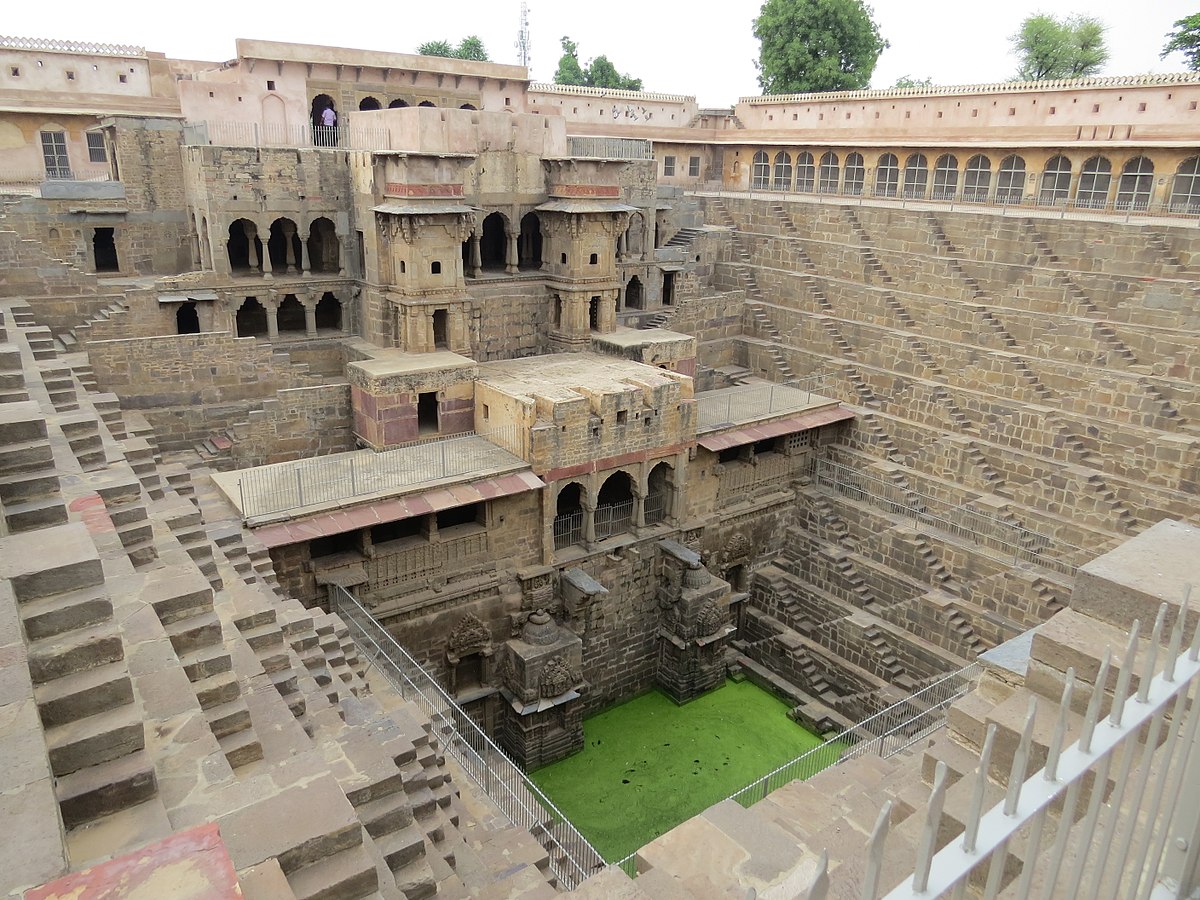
<point>648,764</point>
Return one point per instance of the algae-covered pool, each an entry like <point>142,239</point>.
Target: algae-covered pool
<point>648,764</point>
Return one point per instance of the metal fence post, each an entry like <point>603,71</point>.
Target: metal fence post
<point>300,486</point>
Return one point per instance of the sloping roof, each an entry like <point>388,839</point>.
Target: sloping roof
<point>748,434</point>
<point>393,509</point>
<point>581,205</point>
<point>421,208</point>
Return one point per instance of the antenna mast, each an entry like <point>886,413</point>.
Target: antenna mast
<point>522,44</point>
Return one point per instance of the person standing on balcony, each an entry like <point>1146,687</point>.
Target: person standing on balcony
<point>328,136</point>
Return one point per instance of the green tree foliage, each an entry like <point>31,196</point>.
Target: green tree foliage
<point>1186,39</point>
<point>908,81</point>
<point>816,45</point>
<point>1059,48</point>
<point>599,72</point>
<point>470,47</point>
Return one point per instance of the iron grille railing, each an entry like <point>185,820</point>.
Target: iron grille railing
<point>611,148</point>
<point>568,529</point>
<point>264,134</point>
<point>994,536</point>
<point>613,518</point>
<point>572,857</point>
<point>655,508</point>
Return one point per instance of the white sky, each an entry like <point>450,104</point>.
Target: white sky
<point>704,49</point>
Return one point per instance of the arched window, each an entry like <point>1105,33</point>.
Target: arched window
<point>290,315</point>
<point>887,176</point>
<point>187,320</point>
<point>1010,180</point>
<point>568,516</point>
<point>329,312</point>
<point>855,175</point>
<point>245,247</point>
<point>760,174</point>
<point>945,177</point>
<point>397,104</point>
<point>634,295</point>
<point>429,103</point>
<point>369,103</point>
<point>324,248</point>
<point>283,246</point>
<point>828,183</point>
<point>1056,182</point>
<point>493,242</point>
<point>783,173</point>
<point>806,173</point>
<point>1185,191</point>
<point>251,318</point>
<point>977,181</point>
<point>1094,180</point>
<point>916,175</point>
<point>529,242</point>
<point>659,492</point>
<point>614,506</point>
<point>1136,184</point>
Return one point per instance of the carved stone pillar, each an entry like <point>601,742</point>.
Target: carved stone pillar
<point>289,255</point>
<point>476,259</point>
<point>304,263</point>
<point>310,315</point>
<point>510,257</point>
<point>589,521</point>
<point>250,230</point>
<point>341,255</point>
<point>272,305</point>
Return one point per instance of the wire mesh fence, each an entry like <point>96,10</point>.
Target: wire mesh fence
<point>572,857</point>
<point>283,487</point>
<point>743,404</point>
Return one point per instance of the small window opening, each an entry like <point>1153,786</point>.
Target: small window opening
<point>471,514</point>
<point>270,85</point>
<point>396,531</point>
<point>345,542</point>
<point>124,79</point>
<point>187,321</point>
<point>594,259</point>
<point>622,416</point>
<point>441,329</point>
<point>70,75</point>
<point>435,268</point>
<point>564,259</point>
<point>594,314</point>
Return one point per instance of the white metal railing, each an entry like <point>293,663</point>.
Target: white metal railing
<point>572,857</point>
<point>220,133</point>
<point>994,536</point>
<point>611,148</point>
<point>884,734</point>
<point>963,199</point>
<point>56,45</point>
<point>733,405</point>
<point>1112,814</point>
<point>282,487</point>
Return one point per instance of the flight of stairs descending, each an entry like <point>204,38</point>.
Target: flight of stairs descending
<point>75,339</point>
<point>29,484</point>
<point>684,237</point>
<point>76,656</point>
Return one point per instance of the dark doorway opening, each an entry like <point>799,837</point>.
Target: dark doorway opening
<point>291,314</point>
<point>187,321</point>
<point>324,250</point>
<point>251,319</point>
<point>568,516</point>
<point>369,103</point>
<point>594,314</point>
<point>329,312</point>
<point>398,104</point>
<point>529,244</point>
<point>239,250</point>
<point>283,246</point>
<point>426,103</point>
<point>105,248</point>
<point>493,242</point>
<point>441,329</point>
<point>427,413</point>
<point>668,290</point>
<point>634,295</point>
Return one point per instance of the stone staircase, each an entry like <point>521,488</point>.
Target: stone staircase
<point>29,484</point>
<point>75,339</point>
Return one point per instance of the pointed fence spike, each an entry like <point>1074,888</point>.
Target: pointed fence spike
<point>1176,637</point>
<point>1093,710</point>
<point>875,846</point>
<point>985,758</point>
<point>1016,775</point>
<point>1050,773</point>
<point>929,832</point>
<point>820,886</point>
<point>1194,649</point>
<point>1125,676</point>
<point>1151,655</point>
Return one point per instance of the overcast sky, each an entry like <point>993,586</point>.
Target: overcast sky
<point>707,50</point>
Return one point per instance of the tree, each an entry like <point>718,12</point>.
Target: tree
<point>599,72</point>
<point>816,45</point>
<point>1059,48</point>
<point>908,81</point>
<point>436,48</point>
<point>470,47</point>
<point>1186,39</point>
<point>569,70</point>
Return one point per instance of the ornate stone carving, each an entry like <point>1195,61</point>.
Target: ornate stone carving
<point>738,546</point>
<point>709,619</point>
<point>697,576</point>
<point>470,635</point>
<point>557,678</point>
<point>540,629</point>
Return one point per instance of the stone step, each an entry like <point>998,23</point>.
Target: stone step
<point>52,561</point>
<point>194,632</point>
<point>347,875</point>
<point>83,694</point>
<point>204,662</point>
<point>95,739</point>
<point>241,748</point>
<point>105,788</point>
<point>60,613</point>
<point>217,689</point>
<point>76,651</point>
<point>228,718</point>
<point>386,814</point>
<point>179,596</point>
